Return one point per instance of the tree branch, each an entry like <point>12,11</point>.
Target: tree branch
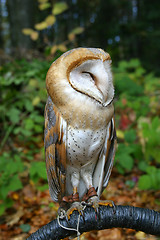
<point>140,219</point>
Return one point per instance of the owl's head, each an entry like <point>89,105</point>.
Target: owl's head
<point>82,70</point>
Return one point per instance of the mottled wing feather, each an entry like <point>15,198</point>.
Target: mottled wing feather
<point>105,162</point>
<point>109,153</point>
<point>55,150</point>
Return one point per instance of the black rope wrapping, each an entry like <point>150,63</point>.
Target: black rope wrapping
<point>140,219</point>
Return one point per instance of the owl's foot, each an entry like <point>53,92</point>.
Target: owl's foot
<point>90,193</point>
<point>71,198</point>
<point>68,205</point>
<point>76,206</point>
<point>91,199</point>
<point>63,209</point>
<point>95,203</point>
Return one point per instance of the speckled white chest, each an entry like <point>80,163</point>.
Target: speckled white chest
<point>84,145</point>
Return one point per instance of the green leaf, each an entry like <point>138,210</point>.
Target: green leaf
<point>17,130</point>
<point>151,170</point>
<point>38,128</point>
<point>51,205</point>
<point>7,203</point>
<point>19,163</point>
<point>25,227</point>
<point>134,63</point>
<point>38,118</point>
<point>125,84</point>
<point>4,192</point>
<point>126,161</point>
<point>2,162</point>
<point>31,73</point>
<point>2,208</point>
<point>28,105</point>
<point>137,151</point>
<point>130,183</point>
<point>43,187</point>
<point>26,132</point>
<point>120,169</point>
<point>14,115</point>
<point>144,182</point>
<point>11,168</point>
<point>42,170</point>
<point>156,124</point>
<point>28,124</point>
<point>127,149</point>
<point>15,183</point>
<point>19,80</point>
<point>122,65</point>
<point>39,169</point>
<point>140,72</point>
<point>142,165</point>
<point>130,135</point>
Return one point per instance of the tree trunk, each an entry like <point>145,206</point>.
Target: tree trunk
<point>1,28</point>
<point>21,14</point>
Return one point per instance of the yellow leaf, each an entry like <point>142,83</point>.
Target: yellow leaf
<point>44,6</point>
<point>27,31</point>
<point>71,36</point>
<point>140,235</point>
<point>59,8</point>
<point>15,196</point>
<point>41,26</point>
<point>34,35</point>
<point>78,30</point>
<point>120,134</point>
<point>33,82</point>
<point>62,48</point>
<point>54,49</point>
<point>50,20</point>
<point>36,101</point>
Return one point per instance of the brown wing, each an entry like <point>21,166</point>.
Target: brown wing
<point>55,150</point>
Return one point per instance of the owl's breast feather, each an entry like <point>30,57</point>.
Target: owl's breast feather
<point>84,145</point>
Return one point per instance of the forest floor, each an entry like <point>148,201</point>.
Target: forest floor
<point>32,209</point>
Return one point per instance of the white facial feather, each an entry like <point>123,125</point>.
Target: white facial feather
<point>93,78</point>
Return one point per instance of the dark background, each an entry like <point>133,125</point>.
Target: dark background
<point>126,29</point>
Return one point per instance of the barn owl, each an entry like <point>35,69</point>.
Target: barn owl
<point>79,134</point>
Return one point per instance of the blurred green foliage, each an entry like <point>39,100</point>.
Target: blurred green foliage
<point>138,123</point>
<point>23,97</point>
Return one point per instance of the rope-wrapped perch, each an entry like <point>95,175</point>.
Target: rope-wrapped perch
<point>140,219</point>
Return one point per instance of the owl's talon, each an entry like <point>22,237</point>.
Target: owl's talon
<point>67,219</point>
<point>96,203</point>
<point>61,213</point>
<point>82,214</point>
<point>109,203</point>
<point>114,206</point>
<point>97,213</point>
<point>87,204</point>
<point>76,206</point>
